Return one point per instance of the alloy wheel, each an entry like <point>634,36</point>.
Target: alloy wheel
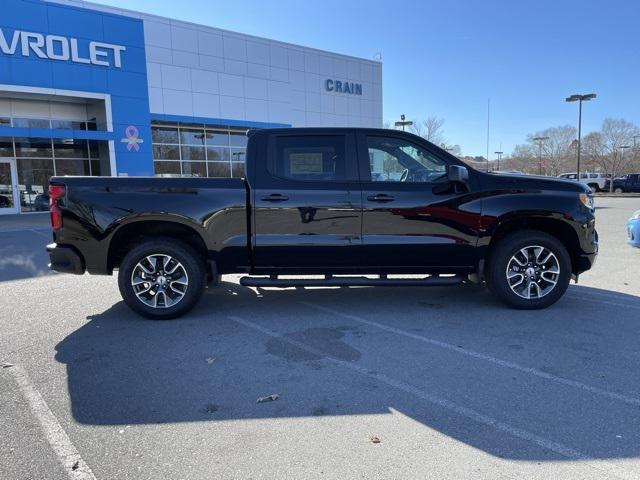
<point>533,272</point>
<point>159,281</point>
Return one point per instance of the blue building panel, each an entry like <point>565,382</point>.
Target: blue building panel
<point>87,25</point>
<point>93,52</point>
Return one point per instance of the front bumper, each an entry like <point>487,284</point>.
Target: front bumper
<point>585,261</point>
<point>65,259</point>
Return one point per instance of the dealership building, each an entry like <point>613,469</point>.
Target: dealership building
<point>87,89</point>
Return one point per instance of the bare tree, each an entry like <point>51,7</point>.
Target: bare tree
<point>557,150</point>
<point>430,129</point>
<point>604,147</point>
<point>454,150</point>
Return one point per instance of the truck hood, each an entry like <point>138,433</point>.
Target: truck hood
<point>536,182</point>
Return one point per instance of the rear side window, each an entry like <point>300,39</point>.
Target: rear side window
<point>320,158</point>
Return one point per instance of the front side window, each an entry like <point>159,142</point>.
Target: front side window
<point>320,158</point>
<point>398,160</point>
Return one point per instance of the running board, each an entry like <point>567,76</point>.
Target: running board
<point>330,281</point>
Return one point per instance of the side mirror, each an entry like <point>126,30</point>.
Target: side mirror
<point>458,174</point>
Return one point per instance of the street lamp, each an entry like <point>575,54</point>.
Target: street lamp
<point>580,98</point>
<point>622,149</point>
<point>499,154</point>
<point>402,123</point>
<point>540,140</point>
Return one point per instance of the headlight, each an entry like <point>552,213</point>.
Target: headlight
<point>586,200</point>
<point>636,216</point>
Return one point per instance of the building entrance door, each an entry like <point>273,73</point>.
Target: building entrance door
<point>9,192</point>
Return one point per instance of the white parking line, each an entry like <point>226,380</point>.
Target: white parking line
<point>605,302</point>
<point>469,413</point>
<point>73,464</point>
<point>482,356</point>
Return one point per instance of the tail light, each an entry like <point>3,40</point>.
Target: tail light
<point>56,192</point>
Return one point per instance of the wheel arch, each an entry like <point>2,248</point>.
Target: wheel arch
<point>133,233</point>
<point>557,228</point>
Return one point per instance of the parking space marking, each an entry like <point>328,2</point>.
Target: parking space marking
<point>605,302</point>
<point>466,412</point>
<point>482,356</point>
<point>67,454</point>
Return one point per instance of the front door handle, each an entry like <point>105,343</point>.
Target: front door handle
<point>275,197</point>
<point>381,197</point>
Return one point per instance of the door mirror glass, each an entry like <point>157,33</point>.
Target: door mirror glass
<point>458,174</point>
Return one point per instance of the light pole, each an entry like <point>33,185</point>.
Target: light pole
<point>580,98</point>
<point>499,154</point>
<point>540,140</point>
<point>402,123</point>
<point>622,149</point>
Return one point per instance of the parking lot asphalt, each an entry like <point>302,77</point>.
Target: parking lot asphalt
<point>391,383</point>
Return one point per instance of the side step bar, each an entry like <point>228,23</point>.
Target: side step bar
<point>330,281</point>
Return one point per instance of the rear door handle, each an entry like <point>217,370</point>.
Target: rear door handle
<point>275,197</point>
<point>381,197</point>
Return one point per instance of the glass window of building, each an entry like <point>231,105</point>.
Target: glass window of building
<point>198,150</point>
<point>38,159</point>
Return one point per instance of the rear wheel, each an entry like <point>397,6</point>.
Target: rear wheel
<point>529,270</point>
<point>161,279</point>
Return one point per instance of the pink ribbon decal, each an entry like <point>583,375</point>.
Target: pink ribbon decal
<point>131,139</point>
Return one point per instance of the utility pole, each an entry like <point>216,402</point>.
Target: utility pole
<point>540,140</point>
<point>499,154</point>
<point>488,118</point>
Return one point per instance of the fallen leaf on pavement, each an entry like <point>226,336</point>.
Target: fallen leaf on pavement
<point>268,398</point>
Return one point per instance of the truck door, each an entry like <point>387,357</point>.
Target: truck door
<point>307,202</point>
<point>412,216</point>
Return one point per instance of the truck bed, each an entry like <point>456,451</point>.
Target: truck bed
<point>97,208</point>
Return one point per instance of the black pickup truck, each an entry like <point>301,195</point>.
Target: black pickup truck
<point>326,206</point>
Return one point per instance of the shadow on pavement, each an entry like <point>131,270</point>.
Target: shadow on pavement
<point>23,255</point>
<point>209,368</point>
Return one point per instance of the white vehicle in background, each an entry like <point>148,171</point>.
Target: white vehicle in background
<point>596,181</point>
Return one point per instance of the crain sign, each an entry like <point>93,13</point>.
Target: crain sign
<point>57,47</point>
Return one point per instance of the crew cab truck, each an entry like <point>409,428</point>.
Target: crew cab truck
<point>627,184</point>
<point>327,206</point>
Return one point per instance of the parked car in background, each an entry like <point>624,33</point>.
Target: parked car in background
<point>41,203</point>
<point>596,181</point>
<point>628,183</point>
<point>633,230</point>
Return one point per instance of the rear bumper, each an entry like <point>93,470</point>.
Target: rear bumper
<point>65,259</point>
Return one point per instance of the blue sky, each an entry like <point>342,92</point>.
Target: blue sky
<point>446,58</point>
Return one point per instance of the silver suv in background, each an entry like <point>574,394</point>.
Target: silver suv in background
<point>596,181</point>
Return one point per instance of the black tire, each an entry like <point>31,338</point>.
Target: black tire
<point>192,263</point>
<point>499,260</point>
<point>618,190</point>
<point>594,187</point>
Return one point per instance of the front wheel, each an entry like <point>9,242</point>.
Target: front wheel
<point>529,270</point>
<point>161,279</point>
<point>618,190</point>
